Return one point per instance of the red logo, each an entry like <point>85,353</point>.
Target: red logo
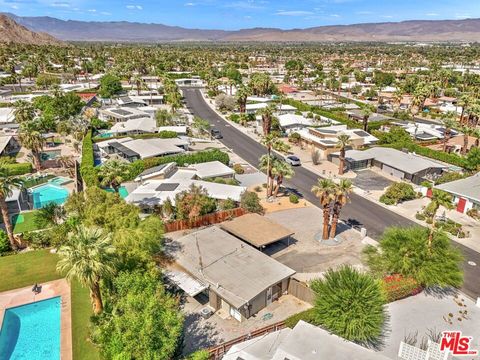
<point>455,343</point>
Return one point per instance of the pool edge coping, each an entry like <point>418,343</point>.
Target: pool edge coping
<point>23,296</point>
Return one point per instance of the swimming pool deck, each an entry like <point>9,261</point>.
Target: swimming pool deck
<point>50,289</point>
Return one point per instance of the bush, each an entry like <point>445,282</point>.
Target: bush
<point>238,169</point>
<point>138,166</point>
<point>350,304</point>
<point>293,198</point>
<point>227,204</point>
<point>257,188</point>
<point>37,240</point>
<point>294,138</point>
<point>397,287</point>
<point>473,213</point>
<point>87,168</point>
<point>235,118</point>
<point>420,216</point>
<point>167,134</point>
<point>18,168</point>
<point>448,177</point>
<point>307,316</point>
<point>199,355</point>
<point>4,243</point>
<point>251,202</point>
<point>398,192</point>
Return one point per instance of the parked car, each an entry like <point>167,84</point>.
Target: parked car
<point>216,134</point>
<point>293,160</point>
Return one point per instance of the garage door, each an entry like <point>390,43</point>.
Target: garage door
<point>393,172</point>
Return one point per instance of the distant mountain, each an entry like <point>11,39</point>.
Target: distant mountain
<point>415,30</point>
<point>11,31</point>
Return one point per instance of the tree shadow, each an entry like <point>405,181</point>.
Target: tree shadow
<point>199,334</point>
<point>440,292</point>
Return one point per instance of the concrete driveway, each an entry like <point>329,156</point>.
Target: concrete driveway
<point>307,255</point>
<point>370,180</point>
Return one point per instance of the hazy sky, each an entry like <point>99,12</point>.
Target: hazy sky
<point>236,14</point>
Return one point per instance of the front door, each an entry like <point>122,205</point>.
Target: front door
<point>269,296</point>
<point>461,205</point>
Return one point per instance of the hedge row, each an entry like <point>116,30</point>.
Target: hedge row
<point>452,159</point>
<point>161,135</point>
<point>87,168</point>
<point>139,166</point>
<point>18,168</point>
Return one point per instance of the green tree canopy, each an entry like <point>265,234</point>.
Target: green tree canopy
<point>110,85</point>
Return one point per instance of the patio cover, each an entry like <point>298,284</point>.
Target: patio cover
<point>185,282</point>
<point>257,230</point>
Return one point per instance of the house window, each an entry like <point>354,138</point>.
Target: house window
<point>235,314</point>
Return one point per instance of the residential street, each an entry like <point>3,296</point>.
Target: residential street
<point>360,212</point>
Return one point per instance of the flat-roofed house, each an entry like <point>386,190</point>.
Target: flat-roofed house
<point>238,279</point>
<point>465,192</point>
<point>122,114</point>
<point>134,126</point>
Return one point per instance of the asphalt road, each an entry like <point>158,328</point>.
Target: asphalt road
<point>360,212</point>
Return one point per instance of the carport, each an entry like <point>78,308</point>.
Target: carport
<point>257,230</point>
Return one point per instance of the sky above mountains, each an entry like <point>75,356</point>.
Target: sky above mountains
<point>238,14</point>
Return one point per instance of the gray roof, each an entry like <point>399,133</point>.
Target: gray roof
<point>153,170</point>
<point>233,269</point>
<point>406,162</point>
<point>468,187</point>
<point>123,149</point>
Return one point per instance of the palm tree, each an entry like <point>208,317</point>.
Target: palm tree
<point>281,170</point>
<point>267,117</point>
<point>269,141</point>
<point>341,193</point>
<point>325,191</point>
<point>7,185</point>
<point>32,139</point>
<point>24,111</point>
<point>88,257</point>
<point>448,123</point>
<point>439,198</point>
<point>243,92</point>
<point>51,214</point>
<point>467,132</point>
<point>343,142</point>
<point>113,173</point>
<point>465,101</point>
<point>366,112</point>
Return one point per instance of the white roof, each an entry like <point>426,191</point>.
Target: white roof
<point>292,119</point>
<point>148,148</point>
<point>7,115</point>
<point>105,143</point>
<point>148,193</point>
<point>185,282</point>
<point>145,124</point>
<point>467,188</point>
<point>259,99</point>
<point>258,106</point>
<point>125,112</point>
<point>259,348</point>
<point>177,129</point>
<point>212,169</point>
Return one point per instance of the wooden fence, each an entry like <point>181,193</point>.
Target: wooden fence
<point>219,351</point>
<point>301,291</point>
<point>204,220</point>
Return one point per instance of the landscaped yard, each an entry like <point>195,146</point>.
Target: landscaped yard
<point>38,267</point>
<point>25,222</point>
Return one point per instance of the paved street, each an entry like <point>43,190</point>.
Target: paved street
<point>360,212</point>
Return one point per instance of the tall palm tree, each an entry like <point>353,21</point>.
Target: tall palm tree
<point>341,193</point>
<point>7,185</point>
<point>465,101</point>
<point>343,140</point>
<point>366,113</point>
<point>88,257</point>
<point>266,161</point>
<point>281,170</point>
<point>243,92</point>
<point>31,138</point>
<point>324,190</point>
<point>267,117</point>
<point>439,198</point>
<point>448,123</point>
<point>467,132</point>
<point>113,173</point>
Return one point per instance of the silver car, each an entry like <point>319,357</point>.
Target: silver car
<point>293,160</point>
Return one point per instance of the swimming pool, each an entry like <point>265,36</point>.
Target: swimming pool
<point>32,331</point>
<point>48,193</point>
<point>50,154</point>
<point>60,180</point>
<point>122,191</point>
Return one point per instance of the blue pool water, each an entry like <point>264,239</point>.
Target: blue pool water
<point>32,331</point>
<point>48,193</point>
<point>59,180</point>
<point>122,191</point>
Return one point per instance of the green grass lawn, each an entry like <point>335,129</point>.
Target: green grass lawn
<point>28,223</point>
<point>38,267</point>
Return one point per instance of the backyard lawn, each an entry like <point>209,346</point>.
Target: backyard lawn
<point>24,222</point>
<point>38,267</point>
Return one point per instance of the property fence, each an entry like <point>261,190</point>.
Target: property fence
<point>204,220</point>
<point>301,291</point>
<point>219,351</point>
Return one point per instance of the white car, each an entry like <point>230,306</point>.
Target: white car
<point>293,160</point>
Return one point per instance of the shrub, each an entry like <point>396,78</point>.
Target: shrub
<point>87,168</point>
<point>420,216</point>
<point>227,204</point>
<point>448,177</point>
<point>18,168</point>
<point>238,169</point>
<point>4,243</point>
<point>251,202</point>
<point>350,304</point>
<point>257,189</point>
<point>294,138</point>
<point>398,192</point>
<point>473,213</point>
<point>37,240</point>
<point>293,198</point>
<point>307,316</point>
<point>397,287</point>
<point>166,134</point>
<point>199,355</point>
<point>235,118</point>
